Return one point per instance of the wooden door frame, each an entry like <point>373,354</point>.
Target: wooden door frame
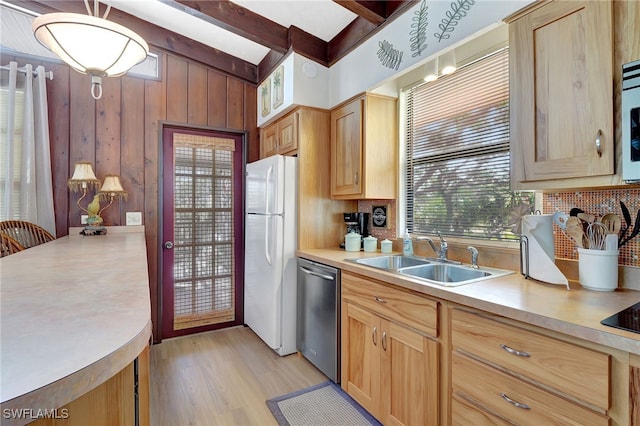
<point>238,224</point>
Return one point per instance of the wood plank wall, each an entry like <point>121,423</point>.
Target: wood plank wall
<point>120,134</point>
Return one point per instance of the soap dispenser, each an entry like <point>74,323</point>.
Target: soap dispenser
<point>407,246</point>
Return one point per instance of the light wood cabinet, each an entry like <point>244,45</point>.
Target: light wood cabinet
<point>388,366</point>
<point>524,377</point>
<point>561,93</point>
<point>280,137</point>
<point>364,146</point>
<point>304,132</point>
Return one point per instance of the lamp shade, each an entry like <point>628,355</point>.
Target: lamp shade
<point>90,45</point>
<point>112,186</point>
<point>83,176</point>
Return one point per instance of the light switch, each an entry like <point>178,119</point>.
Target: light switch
<point>83,219</point>
<point>134,218</point>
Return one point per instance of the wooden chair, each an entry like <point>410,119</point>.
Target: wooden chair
<point>27,234</point>
<point>8,245</point>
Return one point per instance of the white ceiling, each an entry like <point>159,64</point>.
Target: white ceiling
<point>321,18</point>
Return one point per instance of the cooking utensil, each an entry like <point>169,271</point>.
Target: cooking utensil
<point>596,233</point>
<point>611,242</point>
<point>636,230</point>
<point>627,221</point>
<point>560,219</point>
<point>576,231</point>
<point>612,222</point>
<point>587,217</point>
<point>574,211</point>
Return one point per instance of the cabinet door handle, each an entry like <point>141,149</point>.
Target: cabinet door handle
<point>599,143</point>
<point>356,178</point>
<point>374,336</point>
<point>379,299</point>
<point>515,352</point>
<point>514,403</point>
<point>384,340</point>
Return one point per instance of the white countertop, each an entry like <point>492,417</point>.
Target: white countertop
<point>576,312</point>
<point>74,312</point>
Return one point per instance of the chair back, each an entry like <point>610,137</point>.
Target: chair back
<point>8,245</point>
<point>27,234</point>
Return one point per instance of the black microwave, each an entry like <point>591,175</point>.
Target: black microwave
<point>631,122</point>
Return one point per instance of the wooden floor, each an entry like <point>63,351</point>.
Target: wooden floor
<point>222,378</point>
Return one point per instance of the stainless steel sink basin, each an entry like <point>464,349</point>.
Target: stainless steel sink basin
<point>431,270</point>
<point>391,263</point>
<point>452,275</point>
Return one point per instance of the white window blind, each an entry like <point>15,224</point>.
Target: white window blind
<point>457,150</point>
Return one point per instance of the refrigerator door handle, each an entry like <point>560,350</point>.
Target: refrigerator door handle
<point>317,274</point>
<point>267,239</point>
<point>268,187</point>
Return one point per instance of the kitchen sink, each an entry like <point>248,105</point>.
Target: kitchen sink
<point>434,271</point>
<point>391,263</point>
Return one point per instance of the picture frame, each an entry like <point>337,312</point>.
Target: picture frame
<point>265,97</point>
<point>278,86</point>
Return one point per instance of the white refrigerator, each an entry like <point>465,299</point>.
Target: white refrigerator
<point>270,243</point>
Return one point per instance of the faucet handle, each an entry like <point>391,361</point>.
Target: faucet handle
<point>474,256</point>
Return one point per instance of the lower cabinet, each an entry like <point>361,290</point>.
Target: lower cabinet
<point>389,367</point>
<point>505,373</point>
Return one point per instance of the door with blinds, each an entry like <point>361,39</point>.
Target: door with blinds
<point>202,230</point>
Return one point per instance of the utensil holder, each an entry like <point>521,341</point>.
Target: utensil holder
<point>598,269</point>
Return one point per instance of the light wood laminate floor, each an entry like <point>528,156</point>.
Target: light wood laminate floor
<point>222,378</point>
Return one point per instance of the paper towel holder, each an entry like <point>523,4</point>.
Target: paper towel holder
<point>524,250</point>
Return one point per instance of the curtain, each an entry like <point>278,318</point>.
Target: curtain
<point>26,187</point>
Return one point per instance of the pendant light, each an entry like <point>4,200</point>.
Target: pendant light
<point>90,44</point>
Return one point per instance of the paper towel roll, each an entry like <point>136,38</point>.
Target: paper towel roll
<point>539,231</point>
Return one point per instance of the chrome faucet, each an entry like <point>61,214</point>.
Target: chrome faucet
<point>442,251</point>
<point>474,256</point>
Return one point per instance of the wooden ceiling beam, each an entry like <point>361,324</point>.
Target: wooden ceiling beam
<point>373,11</point>
<point>238,20</point>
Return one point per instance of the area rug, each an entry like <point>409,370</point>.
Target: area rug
<point>323,404</point>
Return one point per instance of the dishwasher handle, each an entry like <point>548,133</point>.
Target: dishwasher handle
<point>317,274</point>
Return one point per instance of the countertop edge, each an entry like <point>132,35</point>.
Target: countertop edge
<point>70,388</point>
<point>614,338</point>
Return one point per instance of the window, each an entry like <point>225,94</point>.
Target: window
<point>457,151</point>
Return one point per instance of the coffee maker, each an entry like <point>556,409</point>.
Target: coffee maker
<point>356,222</point>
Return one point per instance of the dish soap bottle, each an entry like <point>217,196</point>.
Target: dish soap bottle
<point>407,246</point>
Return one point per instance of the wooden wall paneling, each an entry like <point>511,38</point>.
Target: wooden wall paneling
<point>235,104</point>
<point>108,141</point>
<point>177,89</point>
<point>82,134</point>
<point>217,99</point>
<point>251,123</point>
<point>155,101</point>
<point>132,146</point>
<point>197,94</point>
<point>58,106</point>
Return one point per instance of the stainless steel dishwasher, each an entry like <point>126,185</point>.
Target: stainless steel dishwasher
<point>318,327</point>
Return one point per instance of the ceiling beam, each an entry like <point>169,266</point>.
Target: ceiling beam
<point>373,11</point>
<point>238,20</point>
<point>158,37</point>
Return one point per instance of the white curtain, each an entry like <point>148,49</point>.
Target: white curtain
<point>26,188</point>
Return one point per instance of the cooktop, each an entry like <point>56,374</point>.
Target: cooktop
<point>627,319</point>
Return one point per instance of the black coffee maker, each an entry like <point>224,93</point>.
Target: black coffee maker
<point>357,222</point>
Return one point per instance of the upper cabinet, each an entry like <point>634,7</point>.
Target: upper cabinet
<point>561,83</point>
<point>280,137</point>
<point>364,146</point>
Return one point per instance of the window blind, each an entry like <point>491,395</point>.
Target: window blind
<point>457,150</point>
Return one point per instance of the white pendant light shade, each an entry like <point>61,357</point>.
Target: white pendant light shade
<point>448,62</point>
<point>90,45</point>
<point>431,70</point>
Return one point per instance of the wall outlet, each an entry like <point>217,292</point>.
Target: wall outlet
<point>134,218</point>
<point>83,219</point>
